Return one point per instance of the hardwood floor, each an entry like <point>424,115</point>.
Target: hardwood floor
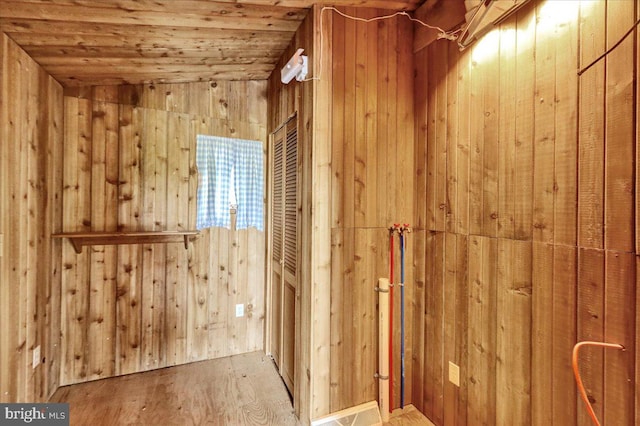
<point>240,390</point>
<point>410,416</point>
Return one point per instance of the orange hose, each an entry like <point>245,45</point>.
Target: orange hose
<point>576,373</point>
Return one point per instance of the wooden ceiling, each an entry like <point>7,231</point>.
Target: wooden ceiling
<point>101,42</point>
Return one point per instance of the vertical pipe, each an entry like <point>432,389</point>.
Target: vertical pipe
<point>383,348</point>
<point>401,319</point>
<point>391,232</point>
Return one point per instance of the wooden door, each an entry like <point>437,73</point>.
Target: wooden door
<point>284,247</point>
<point>276,253</point>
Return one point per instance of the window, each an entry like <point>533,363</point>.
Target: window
<point>229,167</point>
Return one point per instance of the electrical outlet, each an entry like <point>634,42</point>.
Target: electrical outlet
<point>240,310</point>
<point>454,374</point>
<point>36,356</point>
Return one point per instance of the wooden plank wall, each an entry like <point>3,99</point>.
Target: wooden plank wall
<point>358,165</point>
<point>129,164</point>
<point>283,102</point>
<point>30,210</point>
<point>372,187</point>
<point>527,241</point>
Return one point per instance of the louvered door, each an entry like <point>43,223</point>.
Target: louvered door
<point>284,247</point>
<point>276,250</point>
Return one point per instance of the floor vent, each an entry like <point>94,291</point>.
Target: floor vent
<point>366,414</point>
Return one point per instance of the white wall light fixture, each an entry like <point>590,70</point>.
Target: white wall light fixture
<point>296,67</point>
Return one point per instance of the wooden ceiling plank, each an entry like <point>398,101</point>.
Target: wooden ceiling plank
<point>288,6</point>
<point>30,40</point>
<point>185,77</point>
<point>66,13</point>
<point>58,61</point>
<point>101,70</point>
<point>100,42</point>
<point>43,53</point>
<point>192,7</point>
<point>29,26</point>
<point>379,4</point>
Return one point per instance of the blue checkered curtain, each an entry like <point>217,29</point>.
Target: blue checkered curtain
<point>249,185</point>
<point>214,158</point>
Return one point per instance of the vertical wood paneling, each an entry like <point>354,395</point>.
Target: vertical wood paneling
<point>349,137</point>
<point>94,189</point>
<point>440,205</point>
<point>565,152</point>
<point>371,122</point>
<point>36,180</point>
<point>177,211</point>
<point>564,334</point>
<point>8,356</point>
<point>544,130</point>
<point>336,310</point>
<point>542,353</point>
<point>132,308</point>
<point>420,85</point>
<point>513,340</point>
<point>590,311</point>
<point>507,189</point>
<point>69,261</point>
<point>619,315</point>
<point>21,197</point>
<point>130,267</point>
<point>406,176</point>
<point>98,171</point>
<point>255,300</point>
<point>430,147</point>
<point>434,325</point>
<point>392,140</point>
<point>591,98</point>
<point>231,287</point>
<point>463,147</point>
<point>224,268</point>
<point>490,150</point>
<point>338,122</point>
<point>481,409</point>
<point>358,110</point>
<point>524,137</point>
<point>449,324</point>
<point>5,335</point>
<point>148,170</point>
<point>462,331</point>
<point>56,121</point>
<point>477,75</point>
<point>566,127</point>
<point>418,303</point>
<point>619,130</point>
<point>31,108</point>
<point>312,352</point>
<point>364,108</point>
<point>451,154</point>
<point>100,359</point>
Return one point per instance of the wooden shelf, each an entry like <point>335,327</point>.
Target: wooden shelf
<point>81,239</point>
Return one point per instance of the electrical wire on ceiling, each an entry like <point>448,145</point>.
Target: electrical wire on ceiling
<point>599,58</point>
<point>442,34</point>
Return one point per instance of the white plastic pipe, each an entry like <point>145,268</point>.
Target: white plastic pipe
<point>383,347</point>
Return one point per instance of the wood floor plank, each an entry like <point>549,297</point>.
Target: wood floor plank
<point>243,389</point>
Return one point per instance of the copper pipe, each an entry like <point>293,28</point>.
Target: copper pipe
<point>576,373</point>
